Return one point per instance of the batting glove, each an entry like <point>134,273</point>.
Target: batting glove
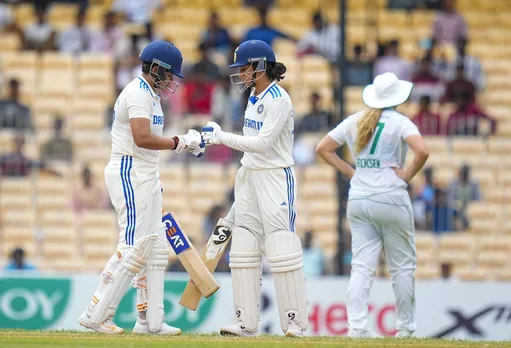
<point>212,133</point>
<point>199,150</point>
<point>191,139</point>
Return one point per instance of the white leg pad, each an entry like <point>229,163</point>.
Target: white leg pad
<point>156,265</point>
<point>131,263</point>
<point>245,264</point>
<point>105,278</point>
<point>284,253</point>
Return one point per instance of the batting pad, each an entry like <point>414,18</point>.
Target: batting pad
<point>245,264</point>
<point>284,253</point>
<point>156,265</point>
<point>129,265</point>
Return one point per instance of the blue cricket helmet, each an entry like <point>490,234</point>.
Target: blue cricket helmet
<point>164,54</point>
<point>252,51</point>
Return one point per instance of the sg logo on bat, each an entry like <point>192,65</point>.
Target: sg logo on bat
<point>220,235</point>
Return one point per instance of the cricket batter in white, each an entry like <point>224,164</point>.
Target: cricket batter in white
<point>133,183</point>
<point>265,191</point>
<point>379,208</point>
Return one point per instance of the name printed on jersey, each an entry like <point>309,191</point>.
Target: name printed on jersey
<point>253,124</point>
<point>368,163</point>
<point>158,120</point>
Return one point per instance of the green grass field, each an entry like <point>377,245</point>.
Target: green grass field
<point>22,338</point>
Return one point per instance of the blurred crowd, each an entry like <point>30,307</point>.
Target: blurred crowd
<point>445,92</point>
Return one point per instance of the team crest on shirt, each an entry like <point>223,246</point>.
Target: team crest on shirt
<point>260,109</point>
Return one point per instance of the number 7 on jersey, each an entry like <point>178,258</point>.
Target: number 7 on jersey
<point>379,129</point>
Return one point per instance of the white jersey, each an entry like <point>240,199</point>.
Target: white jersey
<point>386,150</point>
<point>137,100</point>
<point>268,130</point>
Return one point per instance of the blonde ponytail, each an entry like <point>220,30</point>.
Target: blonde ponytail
<point>366,127</point>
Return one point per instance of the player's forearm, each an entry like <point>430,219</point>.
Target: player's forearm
<point>335,161</point>
<point>255,144</point>
<point>151,141</point>
<point>419,159</point>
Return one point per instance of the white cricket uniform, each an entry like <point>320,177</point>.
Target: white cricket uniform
<point>265,187</point>
<point>380,215</point>
<point>132,176</point>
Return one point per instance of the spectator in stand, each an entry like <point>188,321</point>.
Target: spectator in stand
<point>77,38</point>
<point>468,119</point>
<point>205,67</point>
<point>391,62</point>
<point>88,195</point>
<point>58,148</point>
<point>427,192</point>
<point>264,31</point>
<point>462,191</point>
<point>426,83</point>
<point>129,64</point>
<point>137,11</point>
<point>313,258</point>
<point>215,36</point>
<point>316,120</point>
<point>449,25</point>
<point>473,70</point>
<point>197,95</point>
<point>201,79</point>
<point>444,216</point>
<point>323,39</point>
<point>225,104</point>
<point>14,114</point>
<point>18,263</point>
<point>108,40</point>
<point>419,208</point>
<point>426,120</point>
<point>40,36</point>
<point>460,85</point>
<point>446,272</point>
<point>16,163</point>
<point>360,69</point>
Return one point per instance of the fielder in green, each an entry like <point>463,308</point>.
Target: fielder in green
<point>379,207</point>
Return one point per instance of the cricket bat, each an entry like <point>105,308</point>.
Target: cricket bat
<point>211,256</point>
<point>189,257</point>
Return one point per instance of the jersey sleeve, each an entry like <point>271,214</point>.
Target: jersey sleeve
<point>138,104</point>
<point>340,133</point>
<point>279,110</point>
<point>408,128</point>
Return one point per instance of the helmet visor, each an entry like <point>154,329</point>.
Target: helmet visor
<point>165,83</point>
<point>244,78</point>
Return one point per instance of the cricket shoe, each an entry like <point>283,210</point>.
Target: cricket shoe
<point>293,330</point>
<point>106,327</point>
<point>404,334</point>
<point>142,327</point>
<point>237,329</point>
<point>362,333</point>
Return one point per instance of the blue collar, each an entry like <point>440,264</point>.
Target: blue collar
<point>253,99</point>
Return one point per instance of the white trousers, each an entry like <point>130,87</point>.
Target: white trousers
<point>265,201</point>
<point>382,221</point>
<point>136,196</point>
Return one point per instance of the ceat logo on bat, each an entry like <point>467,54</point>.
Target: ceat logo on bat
<point>174,234</point>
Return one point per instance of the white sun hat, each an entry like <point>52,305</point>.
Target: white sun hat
<point>386,91</point>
